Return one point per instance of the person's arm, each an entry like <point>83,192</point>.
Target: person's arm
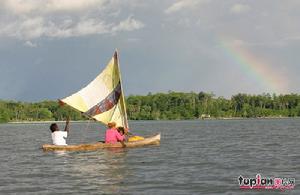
<point>122,140</point>
<point>120,137</point>
<point>127,133</point>
<point>67,127</point>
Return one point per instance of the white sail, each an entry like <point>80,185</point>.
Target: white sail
<point>103,98</point>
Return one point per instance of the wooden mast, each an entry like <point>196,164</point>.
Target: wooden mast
<point>116,58</point>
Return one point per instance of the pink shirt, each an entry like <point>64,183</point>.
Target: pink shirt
<point>113,136</point>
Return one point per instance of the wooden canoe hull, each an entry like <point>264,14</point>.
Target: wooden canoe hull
<point>154,140</point>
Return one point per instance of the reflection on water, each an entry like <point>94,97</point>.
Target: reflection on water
<point>61,153</point>
<point>104,170</point>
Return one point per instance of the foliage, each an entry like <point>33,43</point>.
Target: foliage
<point>176,106</point>
<point>166,106</point>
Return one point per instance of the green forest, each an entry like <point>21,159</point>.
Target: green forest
<point>166,106</point>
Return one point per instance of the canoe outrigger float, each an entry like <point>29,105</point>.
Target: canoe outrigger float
<point>154,140</point>
<point>103,100</point>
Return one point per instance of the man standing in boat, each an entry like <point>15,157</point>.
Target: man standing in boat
<point>112,135</point>
<point>59,137</point>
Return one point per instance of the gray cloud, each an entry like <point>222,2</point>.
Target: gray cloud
<point>30,44</point>
<point>28,19</point>
<point>164,45</point>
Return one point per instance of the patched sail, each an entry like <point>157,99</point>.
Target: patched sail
<point>103,98</point>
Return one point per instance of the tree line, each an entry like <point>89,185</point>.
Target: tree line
<point>167,106</point>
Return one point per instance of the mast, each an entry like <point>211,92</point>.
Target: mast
<point>116,56</point>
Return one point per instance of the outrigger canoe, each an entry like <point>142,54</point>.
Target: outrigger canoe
<point>103,100</point>
<point>154,140</point>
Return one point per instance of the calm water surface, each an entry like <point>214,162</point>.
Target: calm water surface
<point>195,157</point>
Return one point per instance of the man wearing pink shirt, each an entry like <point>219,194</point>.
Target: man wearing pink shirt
<point>112,135</point>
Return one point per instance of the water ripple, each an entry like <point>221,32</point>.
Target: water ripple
<point>195,157</point>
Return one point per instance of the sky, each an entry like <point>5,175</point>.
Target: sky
<point>52,48</point>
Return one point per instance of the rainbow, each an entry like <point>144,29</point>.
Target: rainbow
<point>270,79</point>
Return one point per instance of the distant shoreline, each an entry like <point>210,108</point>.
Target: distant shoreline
<point>211,118</point>
<point>38,122</point>
<point>166,106</point>
<point>246,118</point>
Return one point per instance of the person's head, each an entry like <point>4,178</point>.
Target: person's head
<point>54,127</point>
<point>111,125</point>
<point>121,130</point>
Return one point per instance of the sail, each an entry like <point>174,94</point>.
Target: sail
<point>103,98</point>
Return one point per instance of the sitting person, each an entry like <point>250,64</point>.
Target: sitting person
<point>124,132</point>
<point>112,135</point>
<point>59,137</point>
<point>121,130</point>
<point>130,137</point>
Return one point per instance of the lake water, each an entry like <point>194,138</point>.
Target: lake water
<point>195,157</point>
